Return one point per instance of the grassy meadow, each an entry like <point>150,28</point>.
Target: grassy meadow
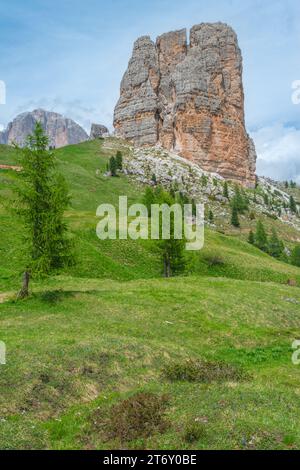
<point>110,331</point>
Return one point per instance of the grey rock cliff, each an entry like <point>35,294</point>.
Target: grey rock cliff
<point>98,131</point>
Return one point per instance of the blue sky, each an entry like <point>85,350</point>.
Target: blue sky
<point>69,56</point>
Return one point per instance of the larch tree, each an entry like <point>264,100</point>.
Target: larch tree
<point>41,199</point>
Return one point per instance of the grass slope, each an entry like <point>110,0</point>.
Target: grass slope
<point>105,330</point>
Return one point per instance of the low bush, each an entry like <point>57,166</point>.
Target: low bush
<point>203,371</point>
<point>138,417</point>
<point>214,260</point>
<point>193,432</point>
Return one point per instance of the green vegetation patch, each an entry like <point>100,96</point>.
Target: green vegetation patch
<point>203,371</point>
<point>139,416</point>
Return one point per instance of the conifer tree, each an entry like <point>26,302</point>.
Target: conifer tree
<point>183,199</point>
<point>172,249</point>
<point>194,207</point>
<point>276,246</point>
<point>293,205</point>
<point>295,258</point>
<point>239,201</point>
<point>154,179</point>
<point>149,199</point>
<point>225,190</point>
<point>266,199</point>
<point>251,238</point>
<point>173,255</point>
<point>41,199</point>
<point>113,166</point>
<point>211,217</point>
<point>261,239</point>
<point>204,180</point>
<point>119,161</point>
<point>245,200</point>
<point>235,217</point>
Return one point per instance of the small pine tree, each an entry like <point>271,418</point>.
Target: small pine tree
<point>183,199</point>
<point>286,185</point>
<point>172,250</point>
<point>240,201</point>
<point>113,166</point>
<point>293,205</point>
<point>204,180</point>
<point>211,217</point>
<point>235,217</point>
<point>41,199</point>
<point>225,190</point>
<point>154,179</point>
<point>261,239</point>
<point>173,255</point>
<point>149,199</point>
<point>251,238</point>
<point>194,207</point>
<point>245,200</point>
<point>276,247</point>
<point>295,258</point>
<point>119,161</point>
<point>266,199</point>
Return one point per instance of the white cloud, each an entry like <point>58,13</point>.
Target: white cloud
<point>278,150</point>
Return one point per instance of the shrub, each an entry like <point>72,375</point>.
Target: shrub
<point>202,371</point>
<point>193,432</point>
<point>139,416</point>
<point>251,238</point>
<point>214,260</point>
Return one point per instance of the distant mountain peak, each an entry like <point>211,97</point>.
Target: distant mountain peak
<point>61,131</point>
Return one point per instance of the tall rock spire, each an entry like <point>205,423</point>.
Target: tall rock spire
<point>189,98</point>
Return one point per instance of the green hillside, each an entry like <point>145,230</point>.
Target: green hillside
<point>111,327</point>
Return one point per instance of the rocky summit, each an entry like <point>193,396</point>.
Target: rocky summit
<point>187,96</point>
<point>60,130</point>
<point>98,131</point>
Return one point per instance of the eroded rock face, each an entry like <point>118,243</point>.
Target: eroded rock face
<point>60,130</point>
<point>98,131</point>
<point>189,99</point>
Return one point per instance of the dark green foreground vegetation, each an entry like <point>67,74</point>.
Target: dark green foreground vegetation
<point>207,356</point>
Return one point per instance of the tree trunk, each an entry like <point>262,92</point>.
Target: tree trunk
<point>167,270</point>
<point>24,291</point>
